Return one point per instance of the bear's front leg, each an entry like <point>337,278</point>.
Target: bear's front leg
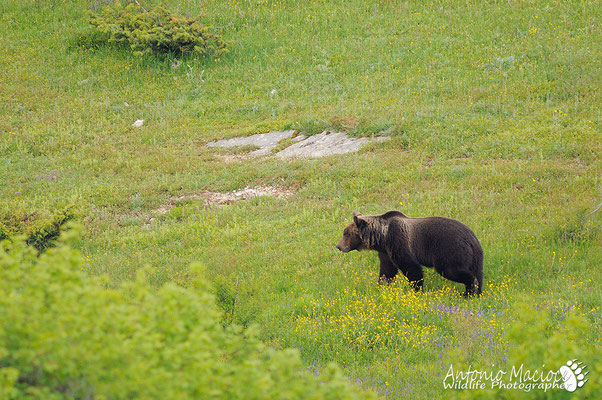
<point>416,278</point>
<point>414,274</point>
<point>388,270</point>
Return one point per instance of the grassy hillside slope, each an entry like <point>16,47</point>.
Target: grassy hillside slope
<point>494,115</point>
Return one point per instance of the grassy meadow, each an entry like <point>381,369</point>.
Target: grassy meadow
<point>494,113</point>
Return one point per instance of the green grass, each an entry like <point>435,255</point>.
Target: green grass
<point>495,118</point>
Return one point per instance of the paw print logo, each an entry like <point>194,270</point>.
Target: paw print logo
<point>572,375</point>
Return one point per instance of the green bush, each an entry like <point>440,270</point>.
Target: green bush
<point>41,232</point>
<point>155,31</point>
<point>45,233</point>
<point>65,335</point>
<point>538,340</point>
<point>4,232</point>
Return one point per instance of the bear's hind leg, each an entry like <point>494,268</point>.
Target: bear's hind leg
<point>465,277</point>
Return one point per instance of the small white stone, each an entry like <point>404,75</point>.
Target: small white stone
<point>138,124</point>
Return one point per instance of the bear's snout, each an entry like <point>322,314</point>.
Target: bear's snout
<point>341,248</point>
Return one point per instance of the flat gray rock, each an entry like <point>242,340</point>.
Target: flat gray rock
<point>325,144</point>
<point>265,141</point>
<point>319,145</point>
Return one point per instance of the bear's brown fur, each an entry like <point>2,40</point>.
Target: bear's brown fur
<point>407,244</point>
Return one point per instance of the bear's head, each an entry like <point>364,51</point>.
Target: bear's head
<point>352,238</point>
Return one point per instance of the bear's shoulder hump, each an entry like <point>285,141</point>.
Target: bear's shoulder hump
<point>393,214</point>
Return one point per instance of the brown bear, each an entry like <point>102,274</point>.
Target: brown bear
<point>407,244</point>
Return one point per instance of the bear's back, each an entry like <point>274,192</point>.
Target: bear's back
<point>440,228</point>
<point>436,238</point>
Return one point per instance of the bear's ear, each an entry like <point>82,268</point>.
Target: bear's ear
<point>360,222</point>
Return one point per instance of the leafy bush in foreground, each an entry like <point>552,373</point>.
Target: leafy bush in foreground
<point>538,341</point>
<point>64,335</point>
<point>155,31</point>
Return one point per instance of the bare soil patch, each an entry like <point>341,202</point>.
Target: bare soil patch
<point>219,198</point>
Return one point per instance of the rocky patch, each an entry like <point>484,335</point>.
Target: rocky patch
<point>316,146</point>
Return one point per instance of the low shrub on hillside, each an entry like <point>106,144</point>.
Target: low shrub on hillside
<point>154,31</point>
<point>40,232</point>
<point>64,335</point>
